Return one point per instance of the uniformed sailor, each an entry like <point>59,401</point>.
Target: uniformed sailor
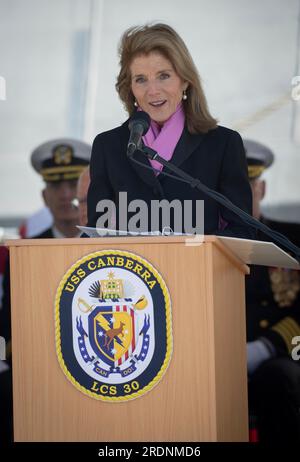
<point>60,163</point>
<point>273,321</point>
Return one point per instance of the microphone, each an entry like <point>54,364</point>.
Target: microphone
<point>138,125</point>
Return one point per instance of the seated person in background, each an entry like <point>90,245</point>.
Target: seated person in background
<point>60,162</point>
<point>273,320</point>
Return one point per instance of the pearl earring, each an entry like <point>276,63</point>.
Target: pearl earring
<point>184,95</point>
<point>135,104</point>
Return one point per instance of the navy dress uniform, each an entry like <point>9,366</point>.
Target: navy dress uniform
<point>273,318</point>
<point>57,161</point>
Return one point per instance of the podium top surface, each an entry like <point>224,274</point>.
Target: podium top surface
<point>259,253</point>
<point>244,251</point>
<point>110,240</point>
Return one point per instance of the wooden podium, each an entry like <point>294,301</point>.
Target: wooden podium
<point>202,396</point>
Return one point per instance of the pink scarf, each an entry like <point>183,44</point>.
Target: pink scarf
<point>164,139</point>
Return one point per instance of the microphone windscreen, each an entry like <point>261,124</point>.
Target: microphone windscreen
<point>140,117</point>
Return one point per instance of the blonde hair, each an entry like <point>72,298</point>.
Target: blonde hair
<point>162,38</point>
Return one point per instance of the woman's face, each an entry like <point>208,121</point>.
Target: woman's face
<point>156,86</point>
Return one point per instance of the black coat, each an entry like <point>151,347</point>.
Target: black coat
<point>216,158</point>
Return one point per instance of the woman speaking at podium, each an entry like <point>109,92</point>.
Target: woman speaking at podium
<point>159,77</point>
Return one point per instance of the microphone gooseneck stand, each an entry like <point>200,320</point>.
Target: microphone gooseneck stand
<point>218,197</point>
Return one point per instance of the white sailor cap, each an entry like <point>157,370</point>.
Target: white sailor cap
<point>61,159</point>
<point>259,157</point>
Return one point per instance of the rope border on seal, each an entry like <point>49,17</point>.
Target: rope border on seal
<point>169,337</point>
